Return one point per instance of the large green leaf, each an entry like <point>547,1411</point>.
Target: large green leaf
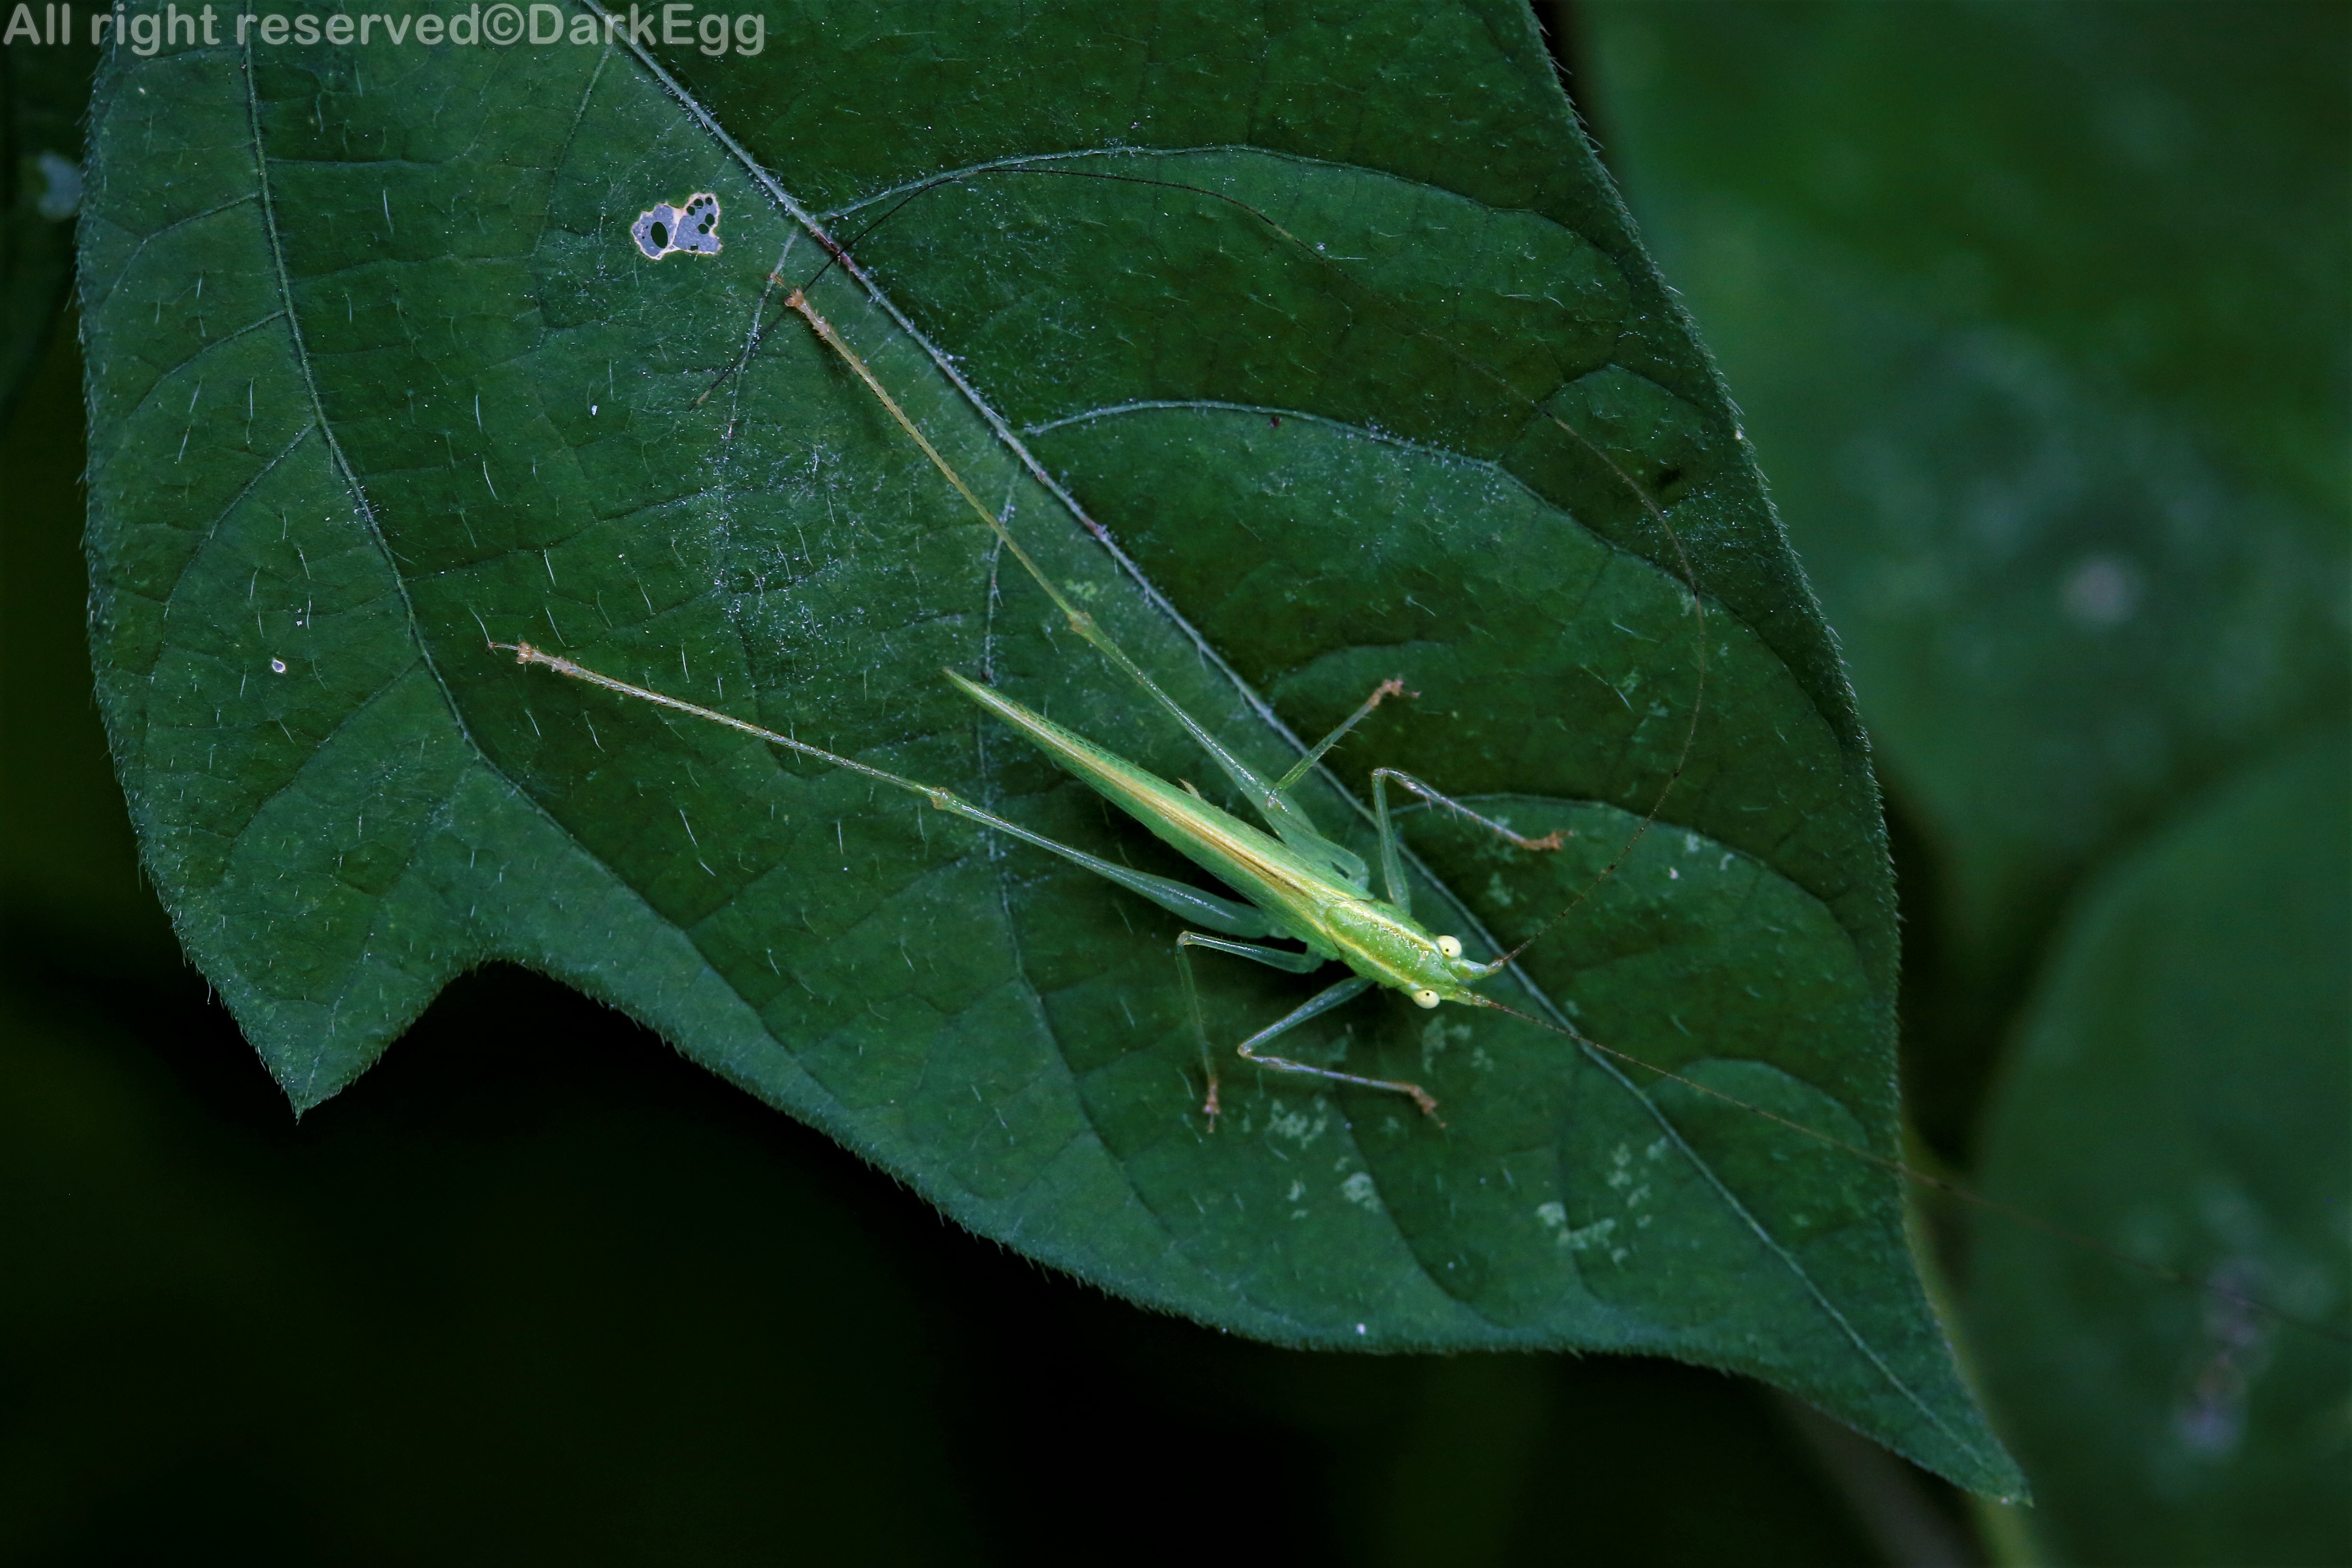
<point>2181,1097</point>
<point>378,376</point>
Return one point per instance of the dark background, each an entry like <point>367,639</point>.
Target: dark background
<point>537,1288</point>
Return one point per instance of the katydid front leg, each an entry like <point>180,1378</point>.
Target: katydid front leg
<point>1387,688</point>
<point>1392,868</point>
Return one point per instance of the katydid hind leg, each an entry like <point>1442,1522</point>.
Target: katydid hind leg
<point>1182,900</point>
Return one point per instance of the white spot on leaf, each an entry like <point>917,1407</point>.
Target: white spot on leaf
<point>1588,1236</point>
<point>1295,1124</point>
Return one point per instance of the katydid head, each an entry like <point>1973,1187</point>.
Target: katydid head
<point>1448,976</point>
<point>1384,944</point>
<point>1449,953</point>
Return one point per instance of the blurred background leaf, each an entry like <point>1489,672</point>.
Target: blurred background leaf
<point>2168,1097</point>
<point>2038,317</point>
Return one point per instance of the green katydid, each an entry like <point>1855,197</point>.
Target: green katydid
<point>1295,882</point>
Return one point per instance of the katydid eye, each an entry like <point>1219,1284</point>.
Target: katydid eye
<point>1424,997</point>
<point>1450,946</point>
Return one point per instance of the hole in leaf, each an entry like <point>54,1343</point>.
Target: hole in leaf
<point>662,229</point>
